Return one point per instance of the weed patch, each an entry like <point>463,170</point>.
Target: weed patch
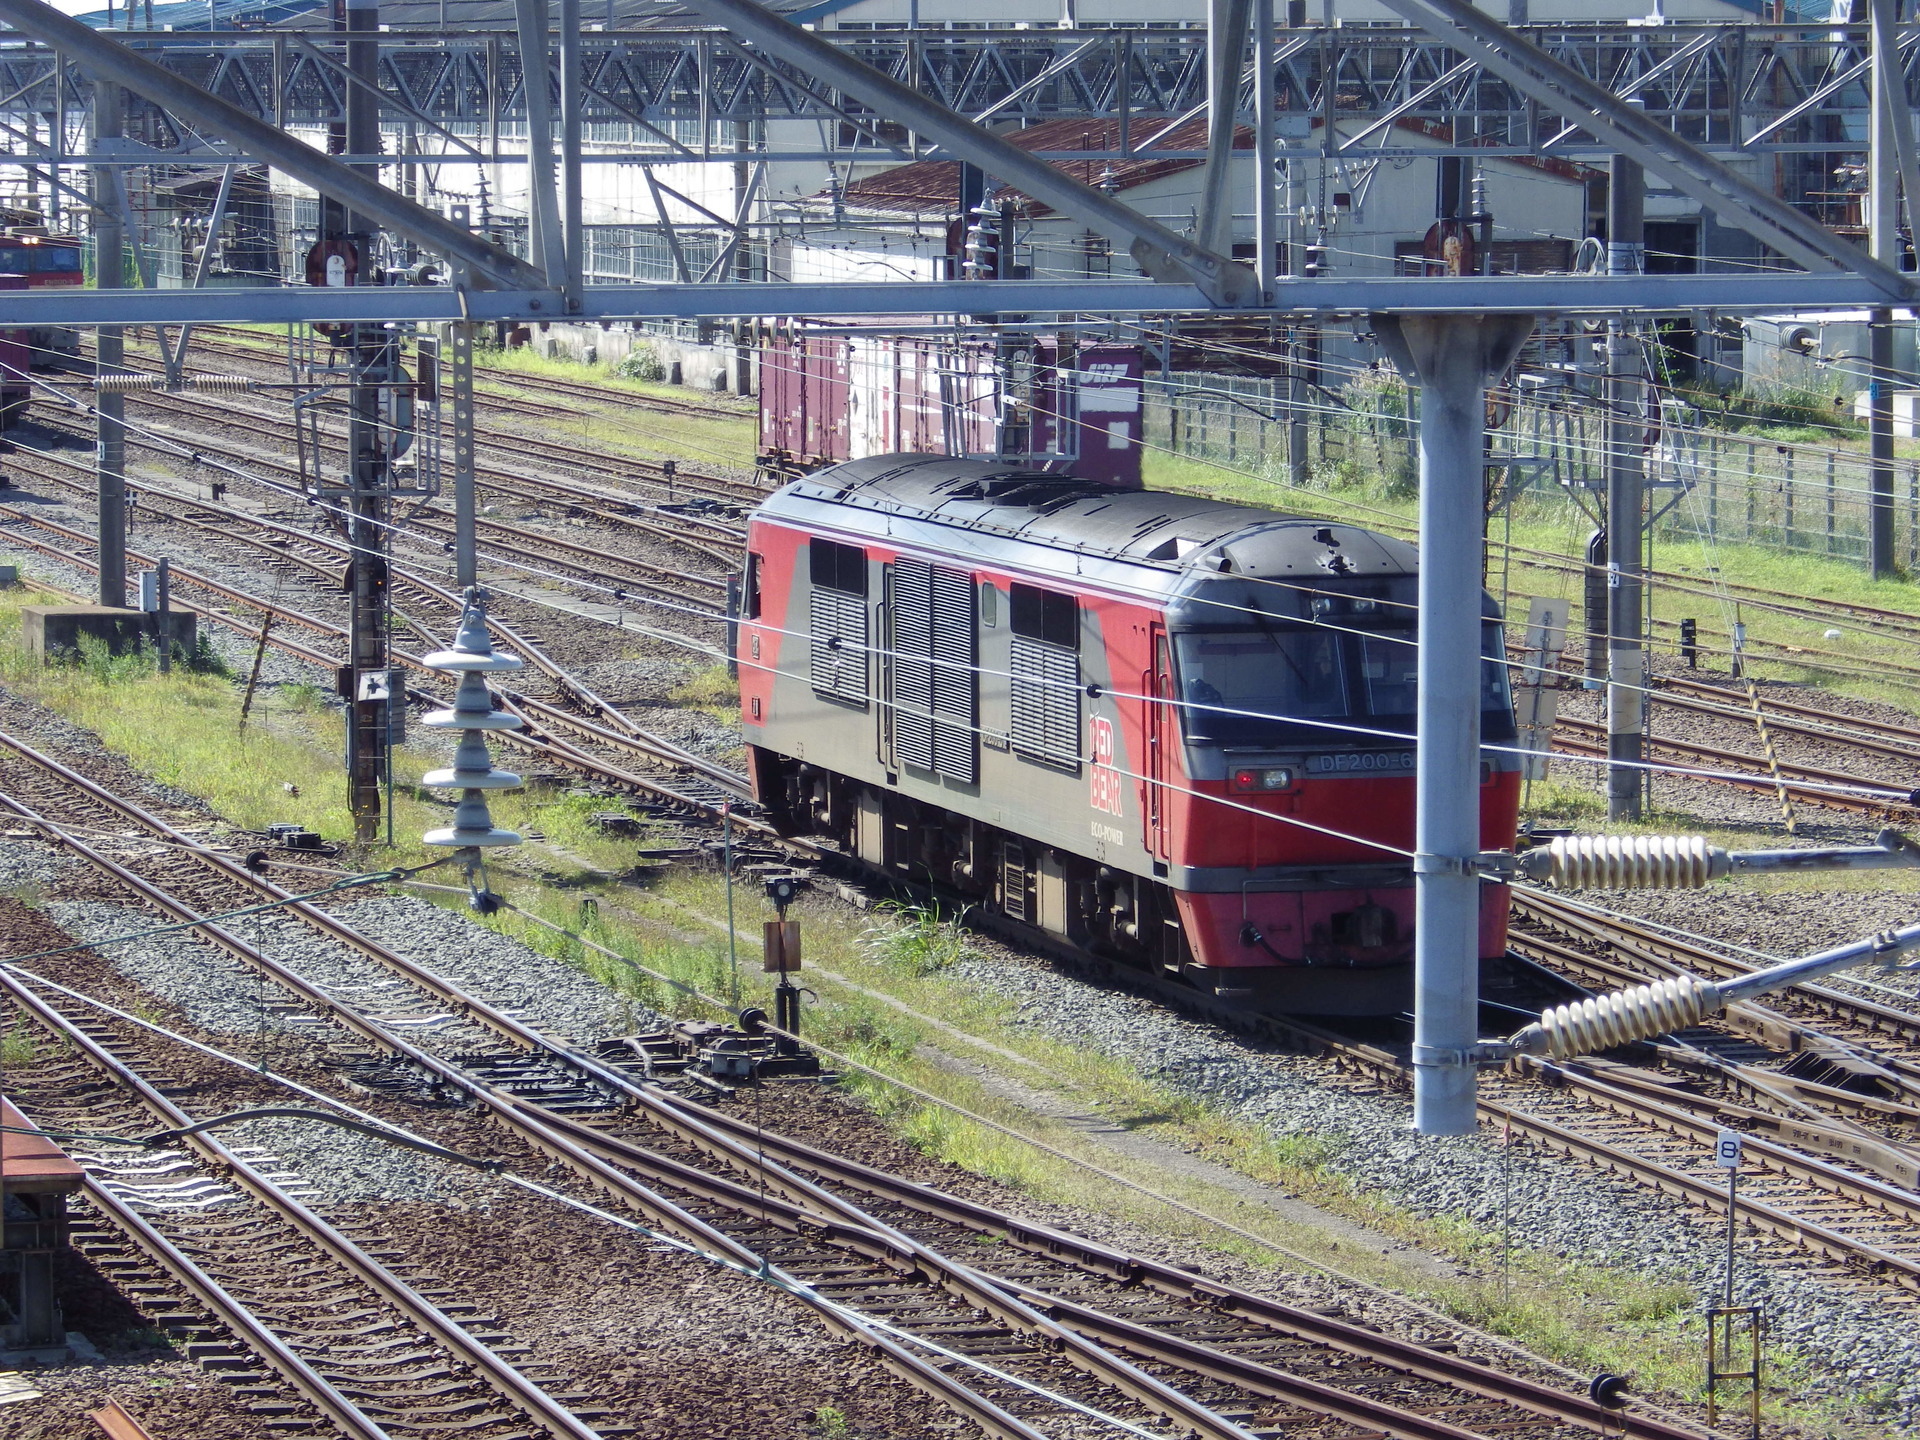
<point>916,939</point>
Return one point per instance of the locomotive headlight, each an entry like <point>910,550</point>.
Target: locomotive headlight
<point>1251,781</point>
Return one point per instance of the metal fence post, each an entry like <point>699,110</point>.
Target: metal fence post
<point>1832,496</point>
<point>1786,538</point>
<point>1913,517</point>
<point>1753,489</point>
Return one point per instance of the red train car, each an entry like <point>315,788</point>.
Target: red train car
<point>40,261</point>
<point>1156,727</point>
<point>16,358</point>
<point>1071,408</point>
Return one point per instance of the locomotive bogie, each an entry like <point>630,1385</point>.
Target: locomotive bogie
<point>1167,731</point>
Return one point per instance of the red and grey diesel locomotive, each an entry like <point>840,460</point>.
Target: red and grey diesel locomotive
<point>1159,728</point>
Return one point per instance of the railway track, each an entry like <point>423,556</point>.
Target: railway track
<point>1856,1037</point>
<point>694,787</point>
<point>1833,1128</point>
<point>273,1285</point>
<point>1856,732</point>
<point>1860,1232</point>
<point>496,1083</point>
<point>1174,1362</point>
<point>499,375</point>
<point>435,534</point>
<point>1659,1168</point>
<point>663,481</point>
<point>1809,784</point>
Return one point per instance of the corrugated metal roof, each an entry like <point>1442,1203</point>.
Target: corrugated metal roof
<point>933,186</point>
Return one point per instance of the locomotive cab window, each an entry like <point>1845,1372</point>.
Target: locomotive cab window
<point>1265,688</point>
<point>1045,688</point>
<point>837,621</point>
<point>833,566</point>
<point>750,588</point>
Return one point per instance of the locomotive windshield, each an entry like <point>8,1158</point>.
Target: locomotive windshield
<point>1263,688</point>
<point>18,259</point>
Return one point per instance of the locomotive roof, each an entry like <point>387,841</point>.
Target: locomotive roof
<point>1149,527</point>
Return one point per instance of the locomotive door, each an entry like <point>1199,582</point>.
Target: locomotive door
<point>1162,733</point>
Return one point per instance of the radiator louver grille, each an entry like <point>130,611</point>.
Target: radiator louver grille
<point>839,672</point>
<point>1046,702</point>
<point>935,685</point>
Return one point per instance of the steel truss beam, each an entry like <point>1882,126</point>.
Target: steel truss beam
<point>1567,93</point>
<point>1746,89</point>
<point>107,60</point>
<point>1504,294</point>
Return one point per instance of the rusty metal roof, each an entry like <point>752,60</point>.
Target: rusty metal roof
<point>933,186</point>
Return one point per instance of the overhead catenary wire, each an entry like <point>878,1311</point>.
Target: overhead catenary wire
<point>1346,1277</point>
<point>765,1272</point>
<point>627,597</point>
<point>687,642</point>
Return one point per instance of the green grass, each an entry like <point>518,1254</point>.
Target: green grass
<point>1854,664</point>
<point>1586,1316</point>
<point>182,728</point>
<point>711,690</point>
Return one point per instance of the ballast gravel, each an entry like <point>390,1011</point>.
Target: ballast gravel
<point>548,994</point>
<point>1555,1205</point>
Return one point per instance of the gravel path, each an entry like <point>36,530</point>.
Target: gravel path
<point>1557,1206</point>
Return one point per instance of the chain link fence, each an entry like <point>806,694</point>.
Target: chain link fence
<point>1806,499</point>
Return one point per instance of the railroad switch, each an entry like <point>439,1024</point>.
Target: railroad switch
<point>709,1053</point>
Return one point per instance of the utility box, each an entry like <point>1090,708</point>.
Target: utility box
<point>51,630</point>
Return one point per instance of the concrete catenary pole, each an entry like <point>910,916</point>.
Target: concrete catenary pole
<point>371,347</point>
<point>110,347</point>
<point>1889,108</point>
<point>1454,357</point>
<point>1626,503</point>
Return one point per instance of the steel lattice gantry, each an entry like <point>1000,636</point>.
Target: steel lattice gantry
<point>1730,89</point>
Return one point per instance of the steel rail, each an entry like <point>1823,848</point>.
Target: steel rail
<point>503,1378</point>
<point>218,338</point>
<point>635,737</point>
<point>1864,1129</point>
<point>775,1207</point>
<point>690,482</point>
<point>536,1124</point>
<point>529,1123</point>
<point>1758,1022</point>
<point>1707,1194</point>
<point>252,1332</point>
<point>1101,1260</point>
<point>538,713</point>
<point>646,575</point>
<point>1673,953</point>
<point>535,489</point>
<point>1804,781</point>
<point>1860,732</point>
<point>1694,696</point>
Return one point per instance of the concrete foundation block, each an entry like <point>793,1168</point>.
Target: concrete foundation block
<point>54,629</point>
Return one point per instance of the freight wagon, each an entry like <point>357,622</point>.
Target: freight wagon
<point>1061,407</point>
